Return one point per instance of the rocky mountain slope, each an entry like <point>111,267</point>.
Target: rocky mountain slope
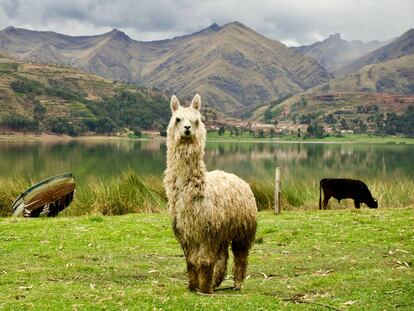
<point>334,51</point>
<point>395,76</point>
<point>231,66</point>
<point>399,47</point>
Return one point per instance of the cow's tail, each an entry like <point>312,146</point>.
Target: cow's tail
<point>320,195</point>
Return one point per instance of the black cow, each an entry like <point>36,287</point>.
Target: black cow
<point>341,188</point>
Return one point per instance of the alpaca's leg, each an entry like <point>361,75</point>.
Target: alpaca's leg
<point>191,258</point>
<point>192,277</point>
<point>205,270</point>
<point>240,252</point>
<point>221,265</point>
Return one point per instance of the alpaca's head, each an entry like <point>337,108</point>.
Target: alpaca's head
<point>185,126</point>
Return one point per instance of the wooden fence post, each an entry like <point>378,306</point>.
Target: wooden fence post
<point>277,191</point>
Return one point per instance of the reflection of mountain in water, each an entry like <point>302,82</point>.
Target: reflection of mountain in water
<point>85,159</point>
<point>299,162</point>
<point>313,161</point>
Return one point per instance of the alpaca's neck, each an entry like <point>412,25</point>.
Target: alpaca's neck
<point>186,171</point>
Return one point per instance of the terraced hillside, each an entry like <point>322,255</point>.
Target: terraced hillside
<point>38,98</point>
<point>356,112</point>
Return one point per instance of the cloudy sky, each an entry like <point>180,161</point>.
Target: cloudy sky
<point>292,22</point>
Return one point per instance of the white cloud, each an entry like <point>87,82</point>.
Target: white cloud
<point>292,22</point>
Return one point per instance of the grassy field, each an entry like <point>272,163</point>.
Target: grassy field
<point>346,260</point>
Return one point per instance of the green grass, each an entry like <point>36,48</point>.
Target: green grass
<point>349,260</point>
<point>133,193</point>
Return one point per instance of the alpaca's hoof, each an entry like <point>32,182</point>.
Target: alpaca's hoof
<point>192,288</point>
<point>237,287</point>
<point>207,291</point>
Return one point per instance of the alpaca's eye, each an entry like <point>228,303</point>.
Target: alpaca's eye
<point>196,122</point>
<point>178,120</point>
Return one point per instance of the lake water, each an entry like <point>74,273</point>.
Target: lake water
<point>298,161</point>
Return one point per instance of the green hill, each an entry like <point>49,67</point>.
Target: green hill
<point>52,98</point>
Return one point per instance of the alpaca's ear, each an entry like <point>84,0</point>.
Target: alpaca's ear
<point>174,103</point>
<point>196,103</point>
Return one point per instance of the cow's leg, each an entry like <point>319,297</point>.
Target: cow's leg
<point>326,198</point>
<point>357,204</point>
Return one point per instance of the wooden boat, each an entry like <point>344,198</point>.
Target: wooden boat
<point>46,198</point>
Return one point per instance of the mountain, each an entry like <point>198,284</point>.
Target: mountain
<point>389,85</point>
<point>401,46</point>
<point>231,66</point>
<point>63,100</point>
<point>334,51</point>
<point>395,76</point>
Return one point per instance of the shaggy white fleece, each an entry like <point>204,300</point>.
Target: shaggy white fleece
<point>209,210</point>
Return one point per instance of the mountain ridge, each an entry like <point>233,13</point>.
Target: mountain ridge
<point>232,65</point>
<point>396,48</point>
<point>334,52</point>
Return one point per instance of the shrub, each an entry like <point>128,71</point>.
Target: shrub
<point>27,86</point>
<point>61,125</point>
<point>90,124</point>
<point>316,130</point>
<point>137,131</point>
<point>163,133</point>
<point>64,90</point>
<point>39,110</point>
<point>105,125</point>
<point>19,123</point>
<point>8,67</point>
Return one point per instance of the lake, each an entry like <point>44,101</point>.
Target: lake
<point>251,160</point>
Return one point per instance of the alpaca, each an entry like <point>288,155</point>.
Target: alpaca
<point>209,210</point>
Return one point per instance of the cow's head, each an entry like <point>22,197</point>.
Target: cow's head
<point>373,203</point>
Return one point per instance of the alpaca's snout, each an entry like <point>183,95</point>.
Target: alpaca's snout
<point>187,130</point>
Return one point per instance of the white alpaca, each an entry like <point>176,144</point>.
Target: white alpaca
<point>210,210</point>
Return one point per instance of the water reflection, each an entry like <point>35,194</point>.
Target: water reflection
<point>305,162</point>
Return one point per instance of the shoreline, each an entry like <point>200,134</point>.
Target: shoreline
<point>66,138</point>
<point>362,139</point>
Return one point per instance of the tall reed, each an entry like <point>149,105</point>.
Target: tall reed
<point>128,193</point>
<point>133,193</point>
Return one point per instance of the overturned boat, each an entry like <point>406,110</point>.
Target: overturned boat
<point>46,198</point>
